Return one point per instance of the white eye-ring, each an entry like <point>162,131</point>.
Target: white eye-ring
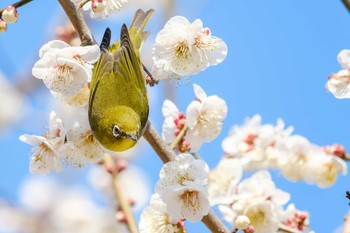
<point>116,131</point>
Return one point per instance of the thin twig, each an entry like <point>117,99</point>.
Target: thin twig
<point>82,3</point>
<point>179,137</point>
<point>78,22</point>
<point>213,223</point>
<point>119,194</point>
<point>17,5</point>
<point>166,154</point>
<point>346,4</point>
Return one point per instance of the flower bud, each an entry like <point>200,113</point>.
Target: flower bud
<point>242,222</point>
<point>98,5</point>
<point>249,229</point>
<point>3,26</point>
<point>10,15</point>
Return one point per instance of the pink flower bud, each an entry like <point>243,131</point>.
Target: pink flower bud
<point>121,165</point>
<point>98,5</point>
<point>249,229</point>
<point>120,216</point>
<point>3,26</point>
<point>338,150</point>
<point>10,15</point>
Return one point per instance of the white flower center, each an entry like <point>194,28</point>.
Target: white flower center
<point>182,51</point>
<point>210,124</point>
<point>256,217</point>
<point>190,200</point>
<point>63,71</point>
<point>330,172</point>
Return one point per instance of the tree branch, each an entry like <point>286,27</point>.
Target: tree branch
<point>78,22</point>
<point>213,223</point>
<point>119,194</point>
<point>17,5</point>
<point>346,4</point>
<point>156,142</point>
<point>166,154</point>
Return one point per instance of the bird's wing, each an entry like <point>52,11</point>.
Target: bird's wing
<point>105,63</point>
<point>128,64</point>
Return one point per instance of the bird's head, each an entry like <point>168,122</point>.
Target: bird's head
<point>119,129</point>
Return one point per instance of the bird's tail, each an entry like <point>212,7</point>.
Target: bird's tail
<point>136,30</point>
<point>138,25</point>
<point>106,40</point>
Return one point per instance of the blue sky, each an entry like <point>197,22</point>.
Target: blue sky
<point>280,55</point>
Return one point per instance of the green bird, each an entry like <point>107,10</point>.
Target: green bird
<point>118,104</point>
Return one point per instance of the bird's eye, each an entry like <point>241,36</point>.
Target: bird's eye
<point>116,131</point>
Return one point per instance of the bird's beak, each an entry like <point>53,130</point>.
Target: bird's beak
<point>132,137</point>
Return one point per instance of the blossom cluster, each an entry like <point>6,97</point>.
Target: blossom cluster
<point>201,124</point>
<point>260,146</point>
<point>73,145</point>
<point>8,15</point>
<point>256,205</point>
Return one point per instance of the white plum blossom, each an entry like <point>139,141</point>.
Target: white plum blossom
<point>10,14</point>
<point>295,156</point>
<point>242,222</point>
<point>181,188</point>
<point>204,118</point>
<point>223,180</point>
<point>261,187</point>
<point>65,69</point>
<point>185,49</point>
<point>263,216</point>
<point>323,169</point>
<point>3,26</point>
<point>45,155</point>
<point>154,218</point>
<point>251,141</point>
<point>102,8</point>
<point>338,84</point>
<point>344,58</point>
